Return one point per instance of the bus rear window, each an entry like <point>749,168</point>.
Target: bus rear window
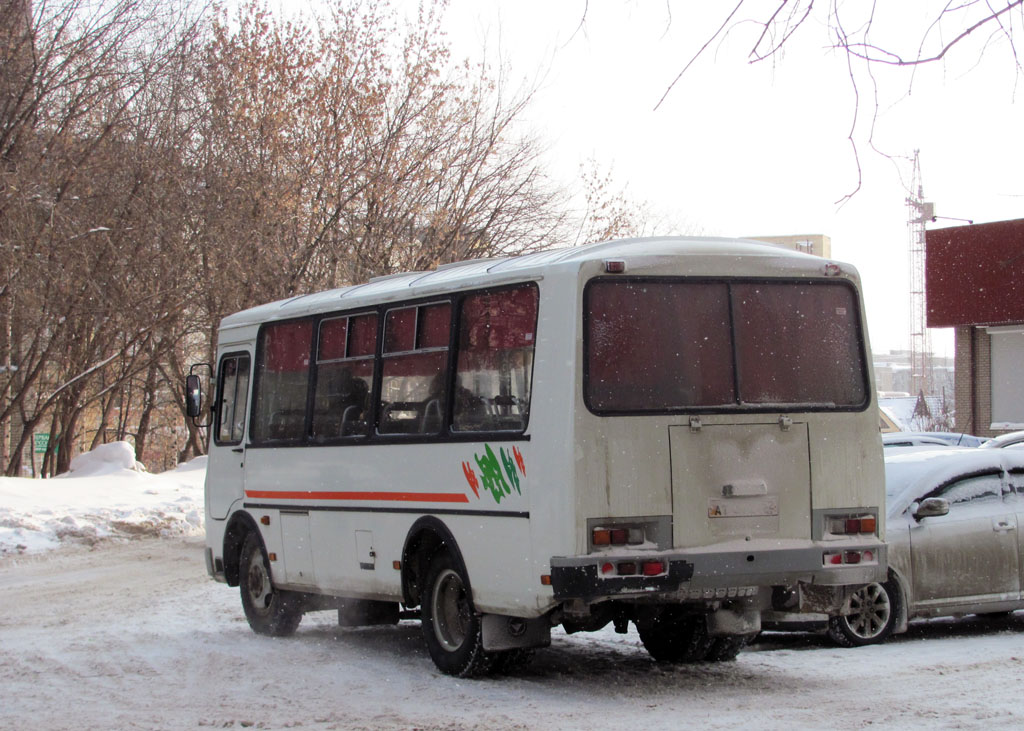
<point>798,344</point>
<point>670,345</point>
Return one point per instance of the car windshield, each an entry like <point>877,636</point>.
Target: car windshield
<point>899,476</point>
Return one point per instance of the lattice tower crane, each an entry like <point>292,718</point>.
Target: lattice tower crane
<point>919,212</point>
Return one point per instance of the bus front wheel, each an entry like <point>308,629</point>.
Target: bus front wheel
<point>451,625</point>
<point>269,610</point>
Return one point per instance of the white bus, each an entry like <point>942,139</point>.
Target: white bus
<point>678,433</point>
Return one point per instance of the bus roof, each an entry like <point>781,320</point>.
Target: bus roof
<point>494,271</point>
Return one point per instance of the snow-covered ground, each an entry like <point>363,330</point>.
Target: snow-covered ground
<point>120,627</point>
<point>106,495</point>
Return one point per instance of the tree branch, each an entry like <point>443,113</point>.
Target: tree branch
<point>864,51</point>
<point>700,52</point>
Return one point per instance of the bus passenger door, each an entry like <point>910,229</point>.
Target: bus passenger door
<point>226,466</point>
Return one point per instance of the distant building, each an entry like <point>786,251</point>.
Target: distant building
<point>892,373</point>
<point>817,244</point>
<point>915,413</point>
<point>973,278</point>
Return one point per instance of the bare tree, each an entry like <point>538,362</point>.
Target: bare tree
<point>334,155</point>
<point>83,229</point>
<point>164,167</point>
<point>872,38</point>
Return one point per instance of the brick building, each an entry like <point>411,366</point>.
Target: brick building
<point>974,283</point>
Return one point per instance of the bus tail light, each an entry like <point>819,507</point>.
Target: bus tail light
<point>634,568</point>
<point>847,525</point>
<point>839,558</point>
<point>617,535</point>
<point>653,568</point>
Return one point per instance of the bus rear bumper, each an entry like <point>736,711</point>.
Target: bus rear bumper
<point>716,573</point>
<point>586,579</point>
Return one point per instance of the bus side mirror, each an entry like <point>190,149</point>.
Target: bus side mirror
<point>193,396</point>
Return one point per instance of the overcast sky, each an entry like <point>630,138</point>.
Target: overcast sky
<point>739,149</point>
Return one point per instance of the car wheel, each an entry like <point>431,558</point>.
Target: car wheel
<point>451,625</point>
<point>674,637</point>
<point>872,616</point>
<point>268,610</point>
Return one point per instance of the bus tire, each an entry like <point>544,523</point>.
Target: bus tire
<point>451,625</point>
<point>674,637</point>
<point>268,610</point>
<point>508,661</point>
<point>724,649</point>
<point>874,609</point>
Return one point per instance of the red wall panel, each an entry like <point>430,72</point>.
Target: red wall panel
<point>974,275</point>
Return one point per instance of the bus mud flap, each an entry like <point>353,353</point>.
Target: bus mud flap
<point>501,632</point>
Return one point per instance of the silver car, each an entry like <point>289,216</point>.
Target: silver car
<point>953,525</point>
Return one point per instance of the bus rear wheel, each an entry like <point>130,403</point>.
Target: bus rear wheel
<point>268,610</point>
<point>725,649</point>
<point>675,637</point>
<point>451,625</point>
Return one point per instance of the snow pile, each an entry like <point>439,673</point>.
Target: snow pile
<point>107,459</point>
<point>106,495</point>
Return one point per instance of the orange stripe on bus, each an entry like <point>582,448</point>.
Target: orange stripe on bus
<point>408,497</point>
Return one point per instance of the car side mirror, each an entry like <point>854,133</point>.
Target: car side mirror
<point>931,507</point>
<point>193,396</point>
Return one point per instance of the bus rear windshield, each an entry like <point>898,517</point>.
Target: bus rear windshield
<point>671,345</point>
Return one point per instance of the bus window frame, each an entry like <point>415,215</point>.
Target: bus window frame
<point>740,407</point>
<point>257,378</point>
<point>446,372</point>
<point>219,394</point>
<point>454,367</point>
<point>316,362</point>
<point>373,437</point>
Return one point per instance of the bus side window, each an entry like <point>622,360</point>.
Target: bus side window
<point>282,380</point>
<point>414,365</point>
<point>494,364</point>
<point>345,369</point>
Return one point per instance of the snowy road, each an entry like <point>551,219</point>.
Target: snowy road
<point>134,636</point>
